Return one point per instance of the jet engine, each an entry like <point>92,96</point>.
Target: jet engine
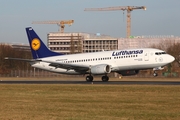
<point>100,69</point>
<point>128,72</point>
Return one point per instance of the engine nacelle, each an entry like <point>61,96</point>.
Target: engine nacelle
<point>100,69</point>
<point>128,72</point>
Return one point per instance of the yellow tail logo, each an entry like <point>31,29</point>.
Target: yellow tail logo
<point>35,44</point>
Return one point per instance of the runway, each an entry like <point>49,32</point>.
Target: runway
<point>94,82</point>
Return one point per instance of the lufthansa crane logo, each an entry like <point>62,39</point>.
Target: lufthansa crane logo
<point>35,44</point>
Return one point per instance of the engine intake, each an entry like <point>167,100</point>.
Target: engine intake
<point>100,69</point>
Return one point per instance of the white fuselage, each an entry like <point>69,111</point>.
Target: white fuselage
<point>119,60</point>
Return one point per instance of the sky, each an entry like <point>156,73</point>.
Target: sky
<point>161,18</point>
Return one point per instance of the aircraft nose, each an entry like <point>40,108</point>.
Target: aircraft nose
<point>171,58</point>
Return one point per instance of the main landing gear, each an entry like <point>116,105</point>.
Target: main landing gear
<point>105,78</point>
<point>90,78</point>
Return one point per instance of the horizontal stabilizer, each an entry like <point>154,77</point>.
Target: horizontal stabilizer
<point>20,59</point>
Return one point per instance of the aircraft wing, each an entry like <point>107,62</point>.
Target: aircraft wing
<point>55,64</point>
<point>67,65</point>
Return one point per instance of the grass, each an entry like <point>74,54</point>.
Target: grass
<point>89,102</point>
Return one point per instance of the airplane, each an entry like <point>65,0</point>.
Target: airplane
<point>125,62</point>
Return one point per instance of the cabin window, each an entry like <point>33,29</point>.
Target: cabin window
<point>156,53</point>
<point>159,53</point>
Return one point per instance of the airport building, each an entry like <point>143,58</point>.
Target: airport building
<point>18,46</point>
<point>24,47</point>
<point>147,41</point>
<point>69,43</point>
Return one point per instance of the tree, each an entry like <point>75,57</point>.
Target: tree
<point>174,50</point>
<point>7,65</point>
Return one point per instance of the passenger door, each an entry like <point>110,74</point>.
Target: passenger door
<point>146,56</point>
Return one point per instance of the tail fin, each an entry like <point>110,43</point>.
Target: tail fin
<point>38,48</point>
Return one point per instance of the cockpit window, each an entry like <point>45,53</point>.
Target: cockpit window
<point>160,53</point>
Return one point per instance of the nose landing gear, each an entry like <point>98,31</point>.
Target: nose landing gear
<point>155,74</point>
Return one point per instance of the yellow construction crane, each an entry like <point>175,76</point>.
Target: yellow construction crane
<point>60,23</point>
<point>127,8</point>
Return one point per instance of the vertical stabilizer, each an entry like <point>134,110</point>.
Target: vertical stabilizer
<point>38,48</point>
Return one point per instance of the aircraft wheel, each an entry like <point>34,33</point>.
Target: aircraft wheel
<point>89,78</point>
<point>105,78</point>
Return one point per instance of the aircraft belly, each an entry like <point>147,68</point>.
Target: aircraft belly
<point>127,65</point>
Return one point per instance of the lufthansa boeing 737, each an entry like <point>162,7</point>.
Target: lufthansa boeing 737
<point>125,62</point>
